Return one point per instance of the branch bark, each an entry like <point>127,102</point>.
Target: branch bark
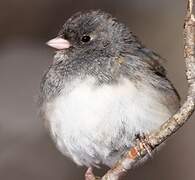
<point>154,139</point>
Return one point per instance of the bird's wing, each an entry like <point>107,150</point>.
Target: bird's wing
<point>144,59</point>
<point>153,59</point>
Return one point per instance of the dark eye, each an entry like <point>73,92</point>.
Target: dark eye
<point>86,38</point>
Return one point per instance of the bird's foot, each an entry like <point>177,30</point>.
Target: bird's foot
<point>144,143</point>
<point>89,175</point>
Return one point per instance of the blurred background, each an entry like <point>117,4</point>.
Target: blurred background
<point>26,151</point>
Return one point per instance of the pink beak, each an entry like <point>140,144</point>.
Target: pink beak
<point>59,43</point>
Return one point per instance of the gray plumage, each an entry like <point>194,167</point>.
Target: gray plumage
<point>97,95</point>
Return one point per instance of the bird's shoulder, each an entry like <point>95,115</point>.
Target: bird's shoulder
<point>137,51</point>
<point>144,63</point>
<point>153,59</point>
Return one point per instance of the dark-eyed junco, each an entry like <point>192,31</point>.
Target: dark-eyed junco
<point>103,88</point>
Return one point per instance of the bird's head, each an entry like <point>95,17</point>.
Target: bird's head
<point>92,35</point>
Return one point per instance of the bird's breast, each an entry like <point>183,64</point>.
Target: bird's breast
<point>88,121</point>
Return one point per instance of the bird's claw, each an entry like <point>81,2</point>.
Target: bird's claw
<point>89,175</point>
<point>144,143</point>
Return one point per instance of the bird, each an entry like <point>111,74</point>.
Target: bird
<point>103,88</point>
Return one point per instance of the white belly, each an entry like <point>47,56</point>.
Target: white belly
<point>89,122</point>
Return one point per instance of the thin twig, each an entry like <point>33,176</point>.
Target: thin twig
<point>154,139</point>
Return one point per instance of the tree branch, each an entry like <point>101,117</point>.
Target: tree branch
<point>155,138</point>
